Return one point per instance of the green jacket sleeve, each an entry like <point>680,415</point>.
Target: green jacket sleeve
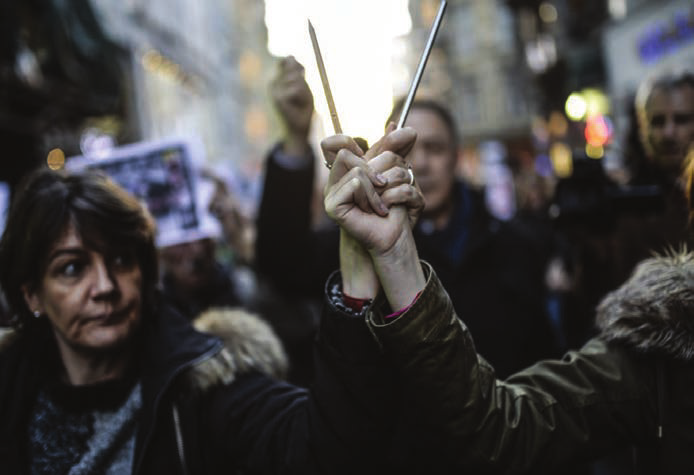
<point>553,413</point>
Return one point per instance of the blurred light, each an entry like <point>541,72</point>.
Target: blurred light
<point>250,67</point>
<point>548,12</point>
<point>4,203</point>
<point>562,161</point>
<point>558,126</point>
<point>598,130</point>
<point>543,165</point>
<point>617,8</point>
<point>55,159</point>
<point>595,151</point>
<point>541,53</point>
<point>359,62</point>
<point>96,143</point>
<point>689,166</point>
<point>156,63</point>
<point>576,106</point>
<point>540,130</point>
<point>256,124</point>
<point>27,66</point>
<point>597,102</point>
<point>587,102</point>
<point>151,60</point>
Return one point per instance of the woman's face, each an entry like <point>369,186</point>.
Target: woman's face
<point>93,301</point>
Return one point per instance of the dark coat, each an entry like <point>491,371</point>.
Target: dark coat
<point>493,271</point>
<point>230,416</point>
<point>630,386</point>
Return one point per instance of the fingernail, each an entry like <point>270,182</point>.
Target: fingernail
<point>381,179</point>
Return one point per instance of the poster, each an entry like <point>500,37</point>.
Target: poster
<point>162,175</point>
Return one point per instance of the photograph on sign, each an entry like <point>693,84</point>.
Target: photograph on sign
<point>161,175</point>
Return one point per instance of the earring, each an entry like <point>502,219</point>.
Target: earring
<point>37,314</point>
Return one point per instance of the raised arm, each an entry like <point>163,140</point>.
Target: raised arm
<point>374,213</point>
<point>555,413</point>
<point>294,103</point>
<point>298,263</point>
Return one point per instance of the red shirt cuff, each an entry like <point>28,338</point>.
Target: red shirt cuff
<point>357,305</point>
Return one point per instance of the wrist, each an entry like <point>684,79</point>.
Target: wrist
<point>399,271</point>
<point>359,280</point>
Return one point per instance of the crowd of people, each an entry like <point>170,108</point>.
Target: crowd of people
<point>411,332</point>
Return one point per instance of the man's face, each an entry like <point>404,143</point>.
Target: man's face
<point>433,159</point>
<point>670,126</point>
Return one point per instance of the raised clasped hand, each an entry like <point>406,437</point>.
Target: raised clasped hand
<point>369,194</point>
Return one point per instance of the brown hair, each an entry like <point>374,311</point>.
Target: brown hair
<point>430,105</point>
<point>106,217</point>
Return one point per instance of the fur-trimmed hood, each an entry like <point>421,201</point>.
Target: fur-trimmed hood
<point>653,311</point>
<point>250,344</point>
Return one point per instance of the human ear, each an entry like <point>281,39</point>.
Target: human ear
<point>31,298</point>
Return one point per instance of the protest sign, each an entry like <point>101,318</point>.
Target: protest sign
<point>163,176</point>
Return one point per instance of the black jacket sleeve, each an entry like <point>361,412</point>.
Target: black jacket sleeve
<point>591,402</point>
<point>339,425</point>
<point>295,258</point>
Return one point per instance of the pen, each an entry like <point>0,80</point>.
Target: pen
<point>324,80</point>
<point>422,64</point>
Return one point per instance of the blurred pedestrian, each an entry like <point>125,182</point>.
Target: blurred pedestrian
<point>665,120</point>
<point>194,279</point>
<point>617,225</point>
<point>608,227</point>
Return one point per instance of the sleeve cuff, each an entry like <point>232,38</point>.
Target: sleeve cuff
<point>344,303</point>
<point>405,309</point>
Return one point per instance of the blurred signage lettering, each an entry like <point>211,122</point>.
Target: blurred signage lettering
<point>667,36</point>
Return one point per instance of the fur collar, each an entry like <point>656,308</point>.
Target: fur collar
<point>653,311</point>
<point>250,343</point>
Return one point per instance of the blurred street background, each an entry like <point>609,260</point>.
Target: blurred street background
<point>540,78</point>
